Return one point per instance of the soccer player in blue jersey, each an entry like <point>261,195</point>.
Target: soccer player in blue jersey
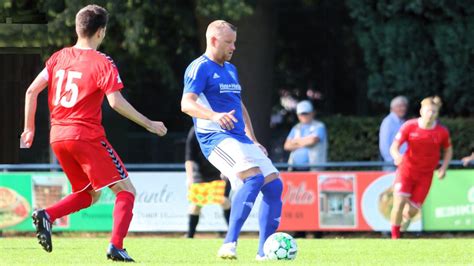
<point>212,96</point>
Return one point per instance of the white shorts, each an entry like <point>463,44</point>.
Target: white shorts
<point>231,156</point>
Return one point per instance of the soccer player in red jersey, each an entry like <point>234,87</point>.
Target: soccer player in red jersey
<point>78,78</point>
<point>425,138</point>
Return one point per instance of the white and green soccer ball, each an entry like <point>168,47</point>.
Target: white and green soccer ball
<point>280,246</point>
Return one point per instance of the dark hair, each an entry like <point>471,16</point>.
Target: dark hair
<point>90,19</point>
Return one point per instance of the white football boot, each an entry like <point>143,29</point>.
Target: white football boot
<point>261,258</point>
<point>228,251</point>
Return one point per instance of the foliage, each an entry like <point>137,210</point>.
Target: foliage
<point>228,9</point>
<point>417,48</point>
<point>150,41</point>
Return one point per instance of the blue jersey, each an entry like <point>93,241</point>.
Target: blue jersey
<point>218,89</point>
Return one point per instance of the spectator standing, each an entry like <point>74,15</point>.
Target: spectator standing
<point>307,141</point>
<point>389,128</point>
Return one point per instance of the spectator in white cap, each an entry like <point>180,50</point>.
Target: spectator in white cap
<point>307,141</point>
<point>389,128</point>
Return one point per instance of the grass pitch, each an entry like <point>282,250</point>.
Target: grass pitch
<point>173,251</point>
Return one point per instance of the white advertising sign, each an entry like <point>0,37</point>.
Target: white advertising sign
<point>161,205</point>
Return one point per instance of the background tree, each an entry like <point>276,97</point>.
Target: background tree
<point>417,48</point>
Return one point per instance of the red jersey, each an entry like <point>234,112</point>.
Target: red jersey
<point>424,146</point>
<point>78,79</point>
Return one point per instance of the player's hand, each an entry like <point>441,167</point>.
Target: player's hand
<point>466,160</point>
<point>225,120</point>
<point>441,173</point>
<point>397,160</point>
<point>158,128</point>
<point>262,148</point>
<point>26,139</point>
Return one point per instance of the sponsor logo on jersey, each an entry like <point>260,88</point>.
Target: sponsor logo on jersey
<point>229,88</point>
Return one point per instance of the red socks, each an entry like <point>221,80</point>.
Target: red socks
<point>395,231</point>
<point>71,203</point>
<point>122,217</point>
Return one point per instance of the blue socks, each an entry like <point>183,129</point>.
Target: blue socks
<point>270,211</point>
<point>242,204</point>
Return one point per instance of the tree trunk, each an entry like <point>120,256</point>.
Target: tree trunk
<point>254,59</point>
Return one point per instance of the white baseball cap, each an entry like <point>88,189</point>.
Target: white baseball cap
<point>304,107</point>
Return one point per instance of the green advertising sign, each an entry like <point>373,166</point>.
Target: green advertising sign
<point>450,203</point>
<point>15,202</point>
<point>21,193</point>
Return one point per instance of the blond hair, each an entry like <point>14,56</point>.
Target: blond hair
<point>217,26</point>
<point>433,100</point>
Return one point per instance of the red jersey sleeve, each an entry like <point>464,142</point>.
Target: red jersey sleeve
<point>109,80</point>
<point>402,134</point>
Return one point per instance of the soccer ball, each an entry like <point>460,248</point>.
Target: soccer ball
<point>280,246</point>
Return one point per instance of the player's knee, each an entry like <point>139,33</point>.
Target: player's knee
<point>226,204</point>
<point>194,209</point>
<point>273,189</point>
<point>249,173</point>
<point>269,178</point>
<point>95,195</point>
<point>398,202</point>
<point>412,211</point>
<point>125,185</point>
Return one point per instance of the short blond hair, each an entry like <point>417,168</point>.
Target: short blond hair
<point>432,100</point>
<point>217,26</point>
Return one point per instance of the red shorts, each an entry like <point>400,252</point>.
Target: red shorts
<point>89,163</point>
<point>413,185</point>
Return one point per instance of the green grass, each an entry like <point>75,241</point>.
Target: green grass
<point>173,251</point>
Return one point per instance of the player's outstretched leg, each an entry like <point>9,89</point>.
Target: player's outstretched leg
<point>44,219</point>
<point>43,229</point>
<point>270,212</point>
<point>123,213</point>
<point>242,204</point>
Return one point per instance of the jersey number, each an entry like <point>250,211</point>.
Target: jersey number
<point>70,86</point>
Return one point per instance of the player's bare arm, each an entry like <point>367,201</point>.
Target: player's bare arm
<point>466,160</point>
<point>448,155</point>
<point>123,107</point>
<point>248,124</point>
<point>249,129</point>
<point>190,107</point>
<point>37,86</point>
<point>395,152</point>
